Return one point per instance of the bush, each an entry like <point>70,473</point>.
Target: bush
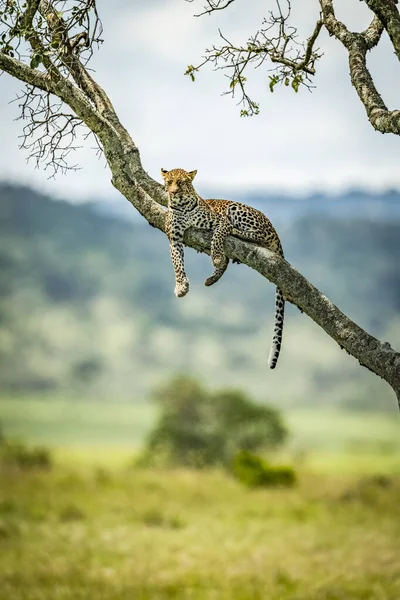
<point>253,471</point>
<point>197,428</point>
<point>16,454</point>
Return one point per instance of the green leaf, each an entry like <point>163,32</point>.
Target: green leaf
<point>273,81</point>
<point>35,61</point>
<point>190,71</point>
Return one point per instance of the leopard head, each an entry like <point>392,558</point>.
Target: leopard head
<point>178,181</point>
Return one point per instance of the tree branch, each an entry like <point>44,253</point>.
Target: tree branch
<point>310,45</point>
<point>102,125</point>
<point>357,45</point>
<point>212,6</point>
<point>376,356</point>
<point>63,88</point>
<point>276,41</point>
<point>29,14</point>
<point>373,33</point>
<point>71,60</point>
<point>388,14</point>
<point>298,69</point>
<point>303,65</point>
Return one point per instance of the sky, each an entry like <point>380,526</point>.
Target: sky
<point>299,144</point>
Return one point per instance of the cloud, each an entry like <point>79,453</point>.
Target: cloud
<point>164,31</point>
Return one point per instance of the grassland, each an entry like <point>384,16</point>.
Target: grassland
<point>93,527</point>
<point>85,533</point>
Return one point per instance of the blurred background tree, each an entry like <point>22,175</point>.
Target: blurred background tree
<point>199,428</point>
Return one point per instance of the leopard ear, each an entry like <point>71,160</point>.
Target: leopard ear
<point>164,172</point>
<point>192,174</point>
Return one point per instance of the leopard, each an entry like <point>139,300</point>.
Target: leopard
<point>224,218</point>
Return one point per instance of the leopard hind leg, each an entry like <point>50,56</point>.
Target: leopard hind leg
<point>218,256</point>
<point>217,274</point>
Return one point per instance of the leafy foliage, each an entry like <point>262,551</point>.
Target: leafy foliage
<point>198,428</point>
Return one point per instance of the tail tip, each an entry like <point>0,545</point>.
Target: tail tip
<point>272,360</point>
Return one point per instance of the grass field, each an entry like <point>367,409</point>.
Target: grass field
<point>93,527</point>
<point>86,533</point>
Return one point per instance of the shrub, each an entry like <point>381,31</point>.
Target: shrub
<point>16,454</point>
<point>197,428</point>
<point>253,471</point>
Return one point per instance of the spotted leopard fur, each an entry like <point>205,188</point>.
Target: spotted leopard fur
<point>224,217</point>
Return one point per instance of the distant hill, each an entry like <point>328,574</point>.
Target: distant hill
<point>87,306</point>
<point>284,209</point>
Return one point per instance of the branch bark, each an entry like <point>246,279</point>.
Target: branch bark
<point>357,45</point>
<point>148,196</point>
<point>389,16</point>
<point>371,353</point>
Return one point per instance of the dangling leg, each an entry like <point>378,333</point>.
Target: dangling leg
<point>181,280</point>
<point>175,231</point>
<point>218,272</point>
<point>219,259</point>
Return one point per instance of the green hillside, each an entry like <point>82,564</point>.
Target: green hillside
<point>87,308</point>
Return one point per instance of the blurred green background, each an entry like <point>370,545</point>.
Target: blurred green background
<point>87,305</point>
<point>89,328</point>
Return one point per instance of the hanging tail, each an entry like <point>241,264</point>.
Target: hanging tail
<point>278,329</point>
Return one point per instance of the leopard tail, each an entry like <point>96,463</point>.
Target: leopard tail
<point>278,329</point>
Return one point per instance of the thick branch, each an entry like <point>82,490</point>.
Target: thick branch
<point>27,30</point>
<point>357,45</point>
<point>63,88</point>
<point>377,356</point>
<point>388,14</point>
<point>29,14</point>
<point>102,127</point>
<point>81,76</point>
<point>373,33</point>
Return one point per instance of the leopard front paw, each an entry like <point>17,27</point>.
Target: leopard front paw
<point>181,289</point>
